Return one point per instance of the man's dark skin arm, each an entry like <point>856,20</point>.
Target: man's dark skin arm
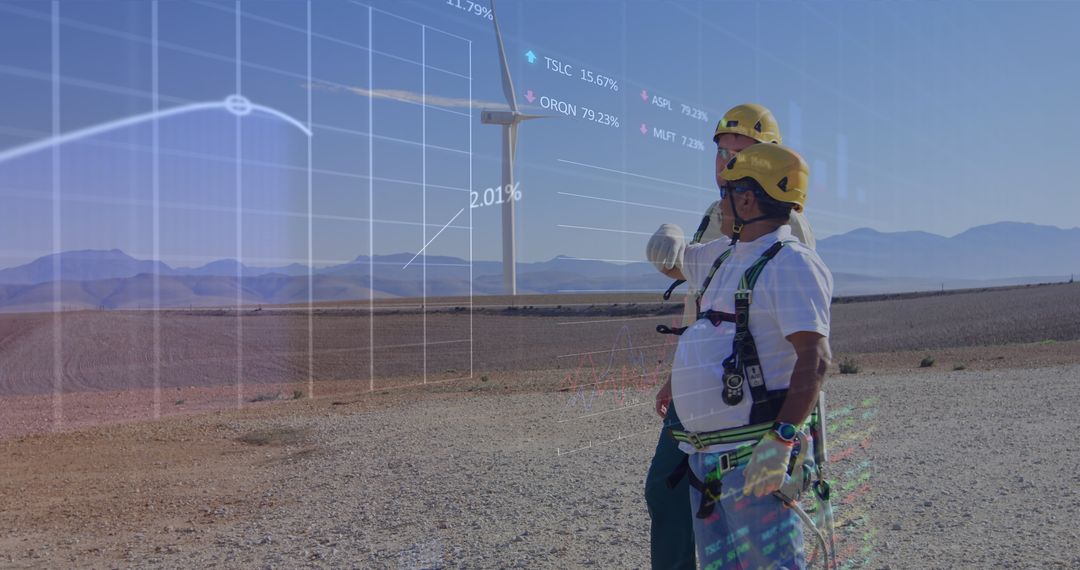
<point>675,273</point>
<point>813,357</point>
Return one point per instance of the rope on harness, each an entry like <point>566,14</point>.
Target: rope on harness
<point>809,523</point>
<point>821,486</point>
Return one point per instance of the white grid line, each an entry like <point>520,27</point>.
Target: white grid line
<point>193,51</point>
<point>57,305</point>
<point>371,227</point>
<point>642,176</point>
<point>404,19</point>
<point>624,202</point>
<point>239,217</point>
<point>423,192</point>
<point>156,182</point>
<point>252,162</point>
<point>282,25</point>
<point>310,220</point>
<point>602,229</point>
<point>428,242</point>
<point>471,345</point>
<point>156,98</point>
<point>90,199</point>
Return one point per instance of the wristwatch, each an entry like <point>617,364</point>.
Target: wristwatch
<point>785,432</point>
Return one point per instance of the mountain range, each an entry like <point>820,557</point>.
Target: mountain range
<point>863,261</point>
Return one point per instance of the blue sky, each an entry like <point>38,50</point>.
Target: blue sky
<point>913,116</point>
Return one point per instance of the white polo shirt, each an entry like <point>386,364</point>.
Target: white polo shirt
<point>792,294</point>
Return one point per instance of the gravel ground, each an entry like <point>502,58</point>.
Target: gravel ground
<point>530,463</point>
<point>936,469</point>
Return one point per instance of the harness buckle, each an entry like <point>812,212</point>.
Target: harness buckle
<point>744,294</point>
<point>695,441</point>
<point>725,462</point>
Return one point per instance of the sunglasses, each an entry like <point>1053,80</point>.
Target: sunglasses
<point>724,153</point>
<point>732,189</point>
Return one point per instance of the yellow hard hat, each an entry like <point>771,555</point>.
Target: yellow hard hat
<point>752,120</point>
<point>780,171</point>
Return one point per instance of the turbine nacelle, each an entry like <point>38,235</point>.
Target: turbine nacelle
<point>489,117</point>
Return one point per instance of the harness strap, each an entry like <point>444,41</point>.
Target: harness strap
<point>751,275</point>
<point>708,279</point>
<point>744,354</point>
<point>716,317</point>
<point>664,329</point>
<point>702,440</point>
<point>674,284</point>
<point>711,488</point>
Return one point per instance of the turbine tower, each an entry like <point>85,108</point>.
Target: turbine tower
<point>509,120</point>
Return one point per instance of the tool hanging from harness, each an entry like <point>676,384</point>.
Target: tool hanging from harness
<point>805,473</point>
<point>743,366</point>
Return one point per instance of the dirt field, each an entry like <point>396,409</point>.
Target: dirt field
<point>537,461</point>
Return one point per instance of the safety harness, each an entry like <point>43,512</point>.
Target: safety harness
<point>704,225</point>
<point>741,368</point>
<point>716,317</point>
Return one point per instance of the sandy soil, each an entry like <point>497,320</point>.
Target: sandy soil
<point>536,466</point>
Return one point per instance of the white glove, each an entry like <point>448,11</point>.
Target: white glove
<point>712,231</point>
<point>666,247</point>
<point>768,466</point>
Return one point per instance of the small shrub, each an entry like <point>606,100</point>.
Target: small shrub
<point>297,395</point>
<point>483,378</point>
<point>927,362</point>
<point>959,366</point>
<point>264,397</point>
<point>849,366</point>
<point>179,403</point>
<point>273,436</point>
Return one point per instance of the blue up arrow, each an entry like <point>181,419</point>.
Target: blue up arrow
<point>530,56</point>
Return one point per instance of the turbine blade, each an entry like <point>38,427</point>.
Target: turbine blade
<point>507,84</point>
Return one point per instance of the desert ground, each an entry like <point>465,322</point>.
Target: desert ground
<point>218,438</point>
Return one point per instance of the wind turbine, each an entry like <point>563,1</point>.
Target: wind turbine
<point>509,120</point>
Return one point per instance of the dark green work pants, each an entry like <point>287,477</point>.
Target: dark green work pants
<point>672,538</point>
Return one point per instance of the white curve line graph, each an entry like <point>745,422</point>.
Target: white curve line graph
<point>236,104</point>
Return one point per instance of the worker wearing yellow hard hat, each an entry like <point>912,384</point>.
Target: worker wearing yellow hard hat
<point>672,543</point>
<point>724,390</point>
